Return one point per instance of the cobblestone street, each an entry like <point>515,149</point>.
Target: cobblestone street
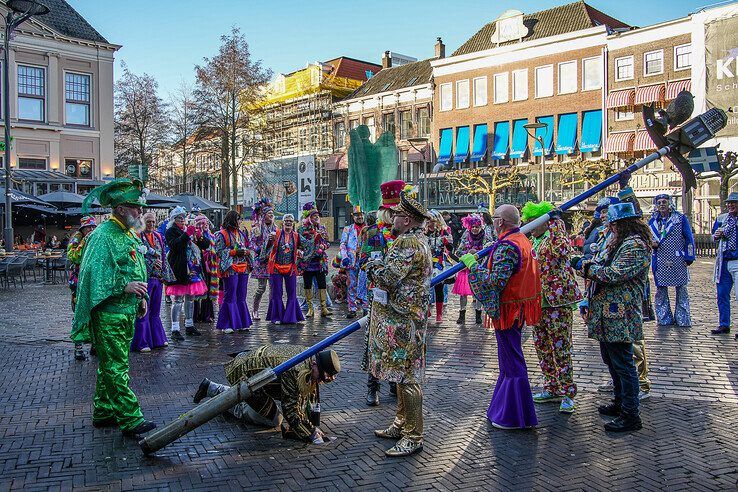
<point>690,423</point>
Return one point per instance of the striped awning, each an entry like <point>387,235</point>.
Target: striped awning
<point>676,87</point>
<point>618,99</point>
<point>643,142</point>
<point>649,93</point>
<point>335,162</point>
<point>620,142</point>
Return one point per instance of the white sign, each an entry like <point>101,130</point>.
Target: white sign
<point>305,180</point>
<point>399,60</point>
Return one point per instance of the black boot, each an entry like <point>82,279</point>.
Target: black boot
<point>478,316</point>
<point>192,331</point>
<point>462,318</point>
<point>720,330</point>
<point>624,423</point>
<point>393,389</point>
<point>372,394</point>
<point>202,391</point>
<point>611,409</point>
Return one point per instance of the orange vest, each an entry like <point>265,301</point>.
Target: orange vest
<point>521,297</point>
<point>272,265</point>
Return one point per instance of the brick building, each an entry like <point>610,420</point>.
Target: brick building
<point>397,99</point>
<point>646,65</point>
<point>545,67</point>
<point>298,110</point>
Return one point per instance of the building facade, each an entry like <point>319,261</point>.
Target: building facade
<point>61,103</point>
<point>546,67</point>
<point>398,100</point>
<point>298,112</point>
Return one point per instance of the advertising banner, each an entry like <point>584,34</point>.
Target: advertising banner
<point>721,54</point>
<point>288,181</point>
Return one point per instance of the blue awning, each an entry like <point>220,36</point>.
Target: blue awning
<point>519,139</point>
<point>546,133</point>
<point>444,147</point>
<point>479,149</point>
<point>566,139</point>
<point>462,144</point>
<point>591,131</point>
<point>502,140</point>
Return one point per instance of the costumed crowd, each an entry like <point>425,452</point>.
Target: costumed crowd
<point>123,268</point>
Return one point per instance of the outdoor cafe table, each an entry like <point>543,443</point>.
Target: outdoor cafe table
<point>47,265</point>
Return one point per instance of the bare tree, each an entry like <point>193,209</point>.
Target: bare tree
<point>141,124</point>
<point>229,87</point>
<point>487,181</point>
<point>183,120</point>
<point>728,169</point>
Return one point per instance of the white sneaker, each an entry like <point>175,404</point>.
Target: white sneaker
<point>228,330</point>
<point>145,349</point>
<point>166,344</point>
<point>642,395</point>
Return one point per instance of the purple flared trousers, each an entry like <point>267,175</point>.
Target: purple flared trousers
<point>278,311</point>
<point>234,312</point>
<point>512,401</point>
<point>149,330</point>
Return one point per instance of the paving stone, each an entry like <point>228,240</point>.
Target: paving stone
<point>689,440</point>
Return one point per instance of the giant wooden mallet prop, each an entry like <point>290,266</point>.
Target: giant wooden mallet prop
<point>678,142</point>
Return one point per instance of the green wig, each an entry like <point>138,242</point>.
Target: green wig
<point>532,210</point>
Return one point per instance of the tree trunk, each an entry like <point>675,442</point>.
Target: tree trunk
<point>724,187</point>
<point>225,181</point>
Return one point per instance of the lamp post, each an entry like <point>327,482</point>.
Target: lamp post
<point>532,128</point>
<point>20,11</point>
<point>421,141</point>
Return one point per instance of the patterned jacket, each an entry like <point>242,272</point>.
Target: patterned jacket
<point>226,244</point>
<point>350,245</point>
<point>75,248</point>
<point>675,251</point>
<point>155,250</point>
<point>468,243</point>
<point>441,243</point>
<point>315,244</point>
<point>615,297</point>
<point>398,325</point>
<point>558,282</point>
<point>489,283</point>
<point>258,239</point>
<point>294,388</point>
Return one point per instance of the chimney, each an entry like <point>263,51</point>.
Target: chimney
<point>440,49</point>
<point>386,60</point>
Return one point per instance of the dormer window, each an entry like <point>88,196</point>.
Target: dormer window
<point>509,27</point>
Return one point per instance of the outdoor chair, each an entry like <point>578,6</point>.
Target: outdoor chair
<point>4,268</point>
<point>15,269</point>
<point>59,266</point>
<point>31,265</point>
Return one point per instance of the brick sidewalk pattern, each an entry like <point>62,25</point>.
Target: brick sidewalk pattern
<point>689,439</point>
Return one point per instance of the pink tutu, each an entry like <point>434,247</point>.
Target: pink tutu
<point>194,289</point>
<point>461,286</point>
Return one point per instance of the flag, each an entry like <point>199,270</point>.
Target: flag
<point>704,160</point>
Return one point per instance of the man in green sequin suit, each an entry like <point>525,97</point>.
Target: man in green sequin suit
<point>111,292</point>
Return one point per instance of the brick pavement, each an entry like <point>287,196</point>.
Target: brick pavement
<point>689,440</point>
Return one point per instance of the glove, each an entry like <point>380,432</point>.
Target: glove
<point>555,214</point>
<point>345,262</point>
<point>469,260</point>
<point>624,179</point>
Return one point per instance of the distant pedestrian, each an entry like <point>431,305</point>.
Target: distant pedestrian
<point>673,253</point>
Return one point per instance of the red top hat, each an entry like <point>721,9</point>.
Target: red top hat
<point>391,193</point>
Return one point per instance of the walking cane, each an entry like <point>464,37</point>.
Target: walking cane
<point>673,145</point>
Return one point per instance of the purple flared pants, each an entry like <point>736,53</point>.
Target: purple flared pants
<point>149,330</point>
<point>234,312</point>
<point>278,311</point>
<point>512,401</point>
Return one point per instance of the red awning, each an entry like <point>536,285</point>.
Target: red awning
<point>422,156</point>
<point>649,93</point>
<point>620,142</point>
<point>618,99</point>
<point>676,87</point>
<point>643,142</point>
<point>334,162</point>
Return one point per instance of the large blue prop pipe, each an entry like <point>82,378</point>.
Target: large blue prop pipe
<point>219,404</point>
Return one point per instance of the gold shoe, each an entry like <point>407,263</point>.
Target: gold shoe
<point>309,300</point>
<point>390,432</point>
<point>404,447</point>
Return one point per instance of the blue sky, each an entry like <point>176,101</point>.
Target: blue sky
<point>166,38</point>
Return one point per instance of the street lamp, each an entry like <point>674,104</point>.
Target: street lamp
<point>532,128</point>
<point>20,11</point>
<point>422,141</point>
